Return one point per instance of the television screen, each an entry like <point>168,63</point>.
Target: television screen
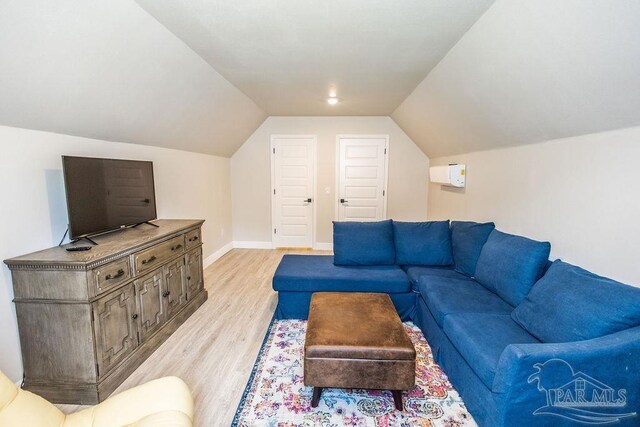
<point>106,194</point>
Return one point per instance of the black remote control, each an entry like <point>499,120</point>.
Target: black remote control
<point>78,248</point>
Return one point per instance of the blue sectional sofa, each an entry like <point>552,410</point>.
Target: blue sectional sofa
<point>525,342</point>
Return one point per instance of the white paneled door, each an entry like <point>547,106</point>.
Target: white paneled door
<point>293,190</point>
<point>362,177</point>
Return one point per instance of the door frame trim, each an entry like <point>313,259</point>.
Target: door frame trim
<point>337,175</point>
<point>314,161</point>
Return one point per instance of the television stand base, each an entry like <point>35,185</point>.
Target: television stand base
<point>146,222</point>
<point>89,239</point>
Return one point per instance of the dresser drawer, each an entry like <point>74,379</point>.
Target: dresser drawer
<point>156,255</point>
<point>193,239</point>
<point>112,274</point>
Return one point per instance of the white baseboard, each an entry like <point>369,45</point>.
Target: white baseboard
<point>216,255</point>
<point>252,245</point>
<point>323,246</point>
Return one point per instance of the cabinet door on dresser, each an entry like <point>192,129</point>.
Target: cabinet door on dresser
<point>175,293</point>
<point>195,280</point>
<point>151,310</point>
<point>115,327</point>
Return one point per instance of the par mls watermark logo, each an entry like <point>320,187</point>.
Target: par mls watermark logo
<point>577,396</point>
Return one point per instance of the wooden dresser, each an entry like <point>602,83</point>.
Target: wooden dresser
<point>88,319</point>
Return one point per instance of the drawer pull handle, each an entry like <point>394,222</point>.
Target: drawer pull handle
<point>117,276</point>
<point>166,294</point>
<point>193,239</point>
<point>147,261</point>
<point>134,316</point>
<point>175,248</point>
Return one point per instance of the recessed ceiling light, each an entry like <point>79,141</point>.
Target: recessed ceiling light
<point>333,100</point>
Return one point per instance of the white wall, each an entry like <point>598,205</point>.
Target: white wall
<point>251,173</point>
<point>34,216</point>
<point>582,194</point>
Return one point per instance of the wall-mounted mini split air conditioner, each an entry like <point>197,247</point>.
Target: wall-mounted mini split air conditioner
<point>451,175</point>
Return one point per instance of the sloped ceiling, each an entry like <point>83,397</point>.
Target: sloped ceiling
<point>287,55</point>
<point>530,71</point>
<point>201,75</point>
<point>108,70</point>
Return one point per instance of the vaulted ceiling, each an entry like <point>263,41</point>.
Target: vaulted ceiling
<point>108,70</point>
<point>288,55</point>
<point>201,75</point>
<point>531,71</point>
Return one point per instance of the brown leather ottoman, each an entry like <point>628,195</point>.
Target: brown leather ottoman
<point>356,340</point>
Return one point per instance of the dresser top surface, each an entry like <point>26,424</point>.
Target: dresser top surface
<point>110,245</point>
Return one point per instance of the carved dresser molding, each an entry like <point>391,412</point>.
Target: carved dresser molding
<point>88,319</point>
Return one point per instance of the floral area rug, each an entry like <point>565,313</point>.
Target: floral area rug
<point>275,395</point>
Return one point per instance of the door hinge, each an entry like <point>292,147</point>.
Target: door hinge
<point>92,316</point>
<point>383,192</point>
<point>385,151</point>
<point>275,231</point>
<point>138,334</point>
<point>97,370</point>
<point>274,151</point>
<point>274,191</point>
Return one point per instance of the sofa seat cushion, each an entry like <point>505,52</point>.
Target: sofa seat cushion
<point>311,273</point>
<point>416,272</point>
<point>571,304</point>
<point>422,243</point>
<point>445,296</point>
<point>481,338</point>
<point>467,240</point>
<point>363,243</point>
<point>509,265</point>
<point>164,401</point>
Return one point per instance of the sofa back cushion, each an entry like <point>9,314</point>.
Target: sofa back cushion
<point>467,240</point>
<point>509,265</point>
<point>363,243</point>
<point>572,304</point>
<point>423,243</point>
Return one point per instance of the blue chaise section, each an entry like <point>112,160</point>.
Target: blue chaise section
<point>299,276</point>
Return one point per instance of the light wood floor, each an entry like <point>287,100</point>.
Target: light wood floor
<point>215,349</point>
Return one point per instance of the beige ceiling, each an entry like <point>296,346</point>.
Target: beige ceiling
<point>201,75</point>
<point>531,71</point>
<point>108,70</point>
<point>286,55</point>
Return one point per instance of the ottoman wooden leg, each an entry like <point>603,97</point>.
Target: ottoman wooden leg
<point>317,391</point>
<point>397,398</point>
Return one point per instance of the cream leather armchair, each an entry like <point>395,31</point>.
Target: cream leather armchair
<point>162,402</point>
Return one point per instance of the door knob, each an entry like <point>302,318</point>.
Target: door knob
<point>343,201</point>
<point>308,200</point>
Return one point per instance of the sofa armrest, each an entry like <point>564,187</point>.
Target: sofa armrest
<point>528,377</point>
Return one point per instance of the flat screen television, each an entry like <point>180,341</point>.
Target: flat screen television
<point>107,194</point>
